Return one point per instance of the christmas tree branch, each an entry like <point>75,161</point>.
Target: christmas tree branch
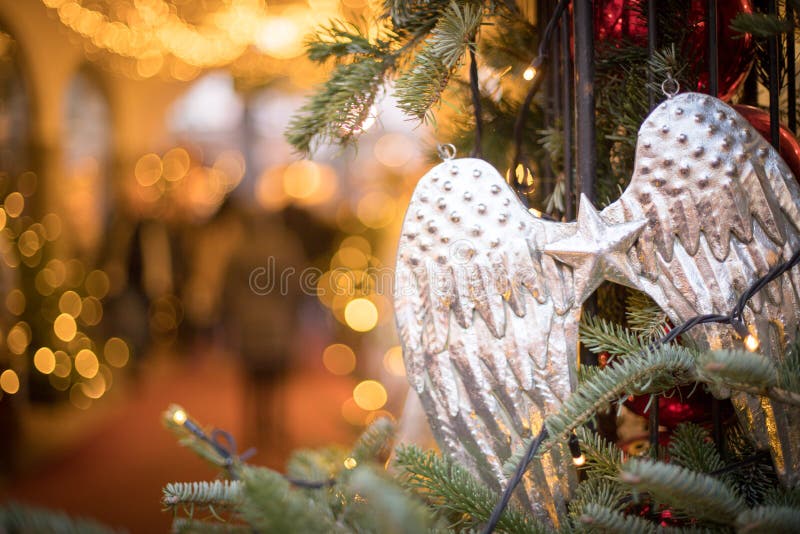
<point>602,519</point>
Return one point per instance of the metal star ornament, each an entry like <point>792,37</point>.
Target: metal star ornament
<point>598,251</point>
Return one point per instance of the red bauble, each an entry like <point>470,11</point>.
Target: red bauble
<point>789,146</point>
<point>678,408</point>
<point>616,20</point>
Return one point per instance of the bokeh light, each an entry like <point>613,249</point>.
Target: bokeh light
<point>370,395</point>
<point>116,352</point>
<point>361,315</point>
<point>9,381</point>
<point>64,327</point>
<point>393,361</point>
<point>339,359</point>
<point>44,360</point>
<point>86,363</point>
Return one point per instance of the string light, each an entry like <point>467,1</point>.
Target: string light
<point>529,73</point>
<point>578,457</point>
<point>751,342</point>
<point>179,417</point>
<point>350,463</point>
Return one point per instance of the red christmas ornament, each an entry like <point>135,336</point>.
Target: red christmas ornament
<point>677,408</point>
<point>618,20</point>
<point>789,146</point>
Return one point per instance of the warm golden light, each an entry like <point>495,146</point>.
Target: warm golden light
<point>9,381</point>
<point>44,360</point>
<point>148,169</point>
<point>751,342</point>
<point>70,303</point>
<point>95,387</point>
<point>529,73</point>
<point>19,337</point>
<point>579,461</point>
<point>301,179</point>
<point>393,361</point>
<point>78,398</point>
<point>15,302</point>
<point>350,463</point>
<point>116,352</point>
<point>339,359</point>
<point>14,204</point>
<point>63,364</point>
<point>361,315</point>
<point>86,363</point>
<point>97,284</point>
<point>175,164</point>
<point>64,327</point>
<point>370,395</point>
<point>352,413</point>
<point>179,417</point>
<point>376,209</point>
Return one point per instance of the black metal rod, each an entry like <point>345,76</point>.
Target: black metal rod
<point>566,105</point>
<point>774,82</point>
<point>586,140</point>
<point>713,49</point>
<point>475,93</point>
<point>791,83</point>
<point>652,44</point>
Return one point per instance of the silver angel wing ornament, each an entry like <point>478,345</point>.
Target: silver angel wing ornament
<point>488,323</point>
<point>721,208</point>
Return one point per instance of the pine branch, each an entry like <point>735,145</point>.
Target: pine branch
<point>701,496</point>
<point>604,492</point>
<point>420,88</point>
<point>15,517</point>
<point>271,505</point>
<point>644,316</point>
<point>182,525</point>
<point>600,335</point>
<point>789,368</point>
<point>226,493</point>
<point>691,447</point>
<point>636,374</point>
<point>768,519</point>
<point>315,465</point>
<point>417,17</point>
<point>375,443</point>
<point>754,481</point>
<point>603,458</point>
<point>446,485</point>
<point>602,519</point>
<point>761,24</point>
<point>343,40</point>
<point>783,497</point>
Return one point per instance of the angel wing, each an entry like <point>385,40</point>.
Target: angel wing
<point>721,208</point>
<point>487,322</point>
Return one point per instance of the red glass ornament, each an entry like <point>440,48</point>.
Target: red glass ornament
<point>678,408</point>
<point>618,20</point>
<point>789,146</point>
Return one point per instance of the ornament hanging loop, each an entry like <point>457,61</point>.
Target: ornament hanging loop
<point>670,87</point>
<point>446,151</point>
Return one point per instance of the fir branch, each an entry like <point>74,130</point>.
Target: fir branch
<point>270,504</point>
<point>420,88</point>
<point>183,525</point>
<point>636,374</point>
<point>338,109</point>
<point>315,465</point>
<point>215,493</point>
<point>691,447</point>
<point>15,517</point>
<point>603,458</point>
<point>446,485</point>
<point>754,481</point>
<point>602,519</point>
<point>789,368</point>
<point>761,24</point>
<point>779,496</point>
<point>344,40</point>
<point>644,316</point>
<point>600,335</point>
<point>604,492</point>
<point>724,367</point>
<point>700,495</point>
<point>768,519</point>
<point>374,444</point>
<point>415,17</point>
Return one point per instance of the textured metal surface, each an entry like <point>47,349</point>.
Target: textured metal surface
<point>488,297</point>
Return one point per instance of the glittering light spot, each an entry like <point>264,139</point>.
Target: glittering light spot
<point>95,387</point>
<point>179,416</point>
<point>393,361</point>
<point>14,204</point>
<point>52,226</point>
<point>2,218</point>
<point>361,315</point>
<point>63,364</point>
<point>339,359</point>
<point>529,73</point>
<point>44,360</point>
<point>70,303</point>
<point>175,164</point>
<point>148,169</point>
<point>19,337</point>
<point>579,461</point>
<point>91,311</point>
<point>301,179</point>
<point>350,463</point>
<point>9,381</point>
<point>15,302</point>
<point>86,363</point>
<point>97,284</point>
<point>116,352</point>
<point>751,342</point>
<point>370,395</point>
<point>64,327</point>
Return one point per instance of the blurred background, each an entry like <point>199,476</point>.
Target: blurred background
<point>161,243</point>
